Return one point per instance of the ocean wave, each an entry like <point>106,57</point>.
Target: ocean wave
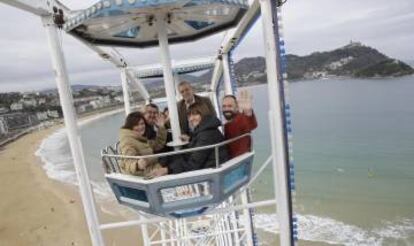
<point>327,230</point>
<point>54,152</point>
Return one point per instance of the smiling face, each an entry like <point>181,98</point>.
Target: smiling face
<point>150,114</point>
<point>194,119</point>
<point>186,92</point>
<point>229,108</point>
<point>139,128</point>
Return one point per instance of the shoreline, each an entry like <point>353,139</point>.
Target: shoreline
<point>38,210</point>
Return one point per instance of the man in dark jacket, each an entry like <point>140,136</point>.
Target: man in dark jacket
<point>205,132</point>
<point>189,98</point>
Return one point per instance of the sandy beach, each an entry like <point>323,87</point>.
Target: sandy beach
<point>36,210</point>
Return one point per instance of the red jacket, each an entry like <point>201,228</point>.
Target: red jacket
<point>240,125</point>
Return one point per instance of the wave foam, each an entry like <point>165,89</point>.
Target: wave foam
<point>331,231</point>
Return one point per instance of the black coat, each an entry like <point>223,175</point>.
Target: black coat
<point>182,111</point>
<point>207,133</point>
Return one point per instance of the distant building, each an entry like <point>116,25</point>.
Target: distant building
<point>53,114</point>
<point>119,99</point>
<point>41,116</point>
<point>15,121</point>
<point>16,106</point>
<point>3,110</point>
<point>41,101</point>
<point>29,102</point>
<point>84,108</point>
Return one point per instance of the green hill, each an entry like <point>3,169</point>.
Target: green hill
<point>353,60</point>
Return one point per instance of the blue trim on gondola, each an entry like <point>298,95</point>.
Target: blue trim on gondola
<point>78,25</point>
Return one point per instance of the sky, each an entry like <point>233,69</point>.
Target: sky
<point>308,26</point>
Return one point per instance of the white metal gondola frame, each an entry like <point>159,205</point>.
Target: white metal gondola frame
<point>279,126</point>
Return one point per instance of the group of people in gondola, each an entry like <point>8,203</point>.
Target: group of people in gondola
<point>146,133</point>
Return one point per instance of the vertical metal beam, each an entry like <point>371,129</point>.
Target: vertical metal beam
<point>168,80</point>
<point>277,130</point>
<point>125,91</point>
<point>228,90</point>
<point>248,223</point>
<point>66,101</point>
<point>217,74</point>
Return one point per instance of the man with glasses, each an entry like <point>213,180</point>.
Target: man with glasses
<point>188,99</point>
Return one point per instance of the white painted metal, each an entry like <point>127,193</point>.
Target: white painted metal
<point>234,224</point>
<point>38,7</point>
<point>66,101</point>
<point>125,91</point>
<point>217,73</point>
<point>163,236</point>
<point>176,83</point>
<point>236,33</point>
<point>276,124</point>
<point>226,75</point>
<point>144,231</point>
<point>168,80</point>
<point>247,220</point>
<point>160,219</point>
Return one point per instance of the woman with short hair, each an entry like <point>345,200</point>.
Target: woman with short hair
<point>133,142</point>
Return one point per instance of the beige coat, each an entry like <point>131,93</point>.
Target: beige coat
<point>132,145</point>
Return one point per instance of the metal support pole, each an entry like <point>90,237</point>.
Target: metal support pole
<point>228,90</point>
<point>176,83</point>
<point>248,223</point>
<point>278,141</point>
<point>125,90</point>
<point>66,101</point>
<point>144,231</point>
<point>168,80</point>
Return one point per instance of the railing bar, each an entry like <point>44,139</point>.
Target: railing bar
<point>216,153</point>
<point>264,203</point>
<point>198,236</point>
<point>177,152</point>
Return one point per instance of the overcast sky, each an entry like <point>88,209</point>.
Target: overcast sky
<point>309,25</point>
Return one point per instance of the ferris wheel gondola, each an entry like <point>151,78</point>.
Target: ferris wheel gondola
<point>148,23</point>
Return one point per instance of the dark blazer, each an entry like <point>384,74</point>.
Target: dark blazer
<point>206,133</point>
<point>182,111</point>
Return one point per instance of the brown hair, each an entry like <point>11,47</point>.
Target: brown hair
<point>198,108</point>
<point>133,119</point>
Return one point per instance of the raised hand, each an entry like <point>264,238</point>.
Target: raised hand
<point>245,102</point>
<point>160,121</point>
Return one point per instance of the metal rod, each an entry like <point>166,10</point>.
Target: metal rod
<point>66,101</point>
<point>168,79</point>
<point>228,90</point>
<point>248,223</point>
<point>264,203</point>
<point>177,152</point>
<point>277,131</point>
<point>125,91</point>
<point>216,155</point>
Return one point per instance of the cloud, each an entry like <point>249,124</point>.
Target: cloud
<point>309,26</point>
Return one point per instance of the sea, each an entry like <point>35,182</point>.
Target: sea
<point>353,146</point>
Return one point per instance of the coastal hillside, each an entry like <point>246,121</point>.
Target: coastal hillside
<point>354,60</point>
